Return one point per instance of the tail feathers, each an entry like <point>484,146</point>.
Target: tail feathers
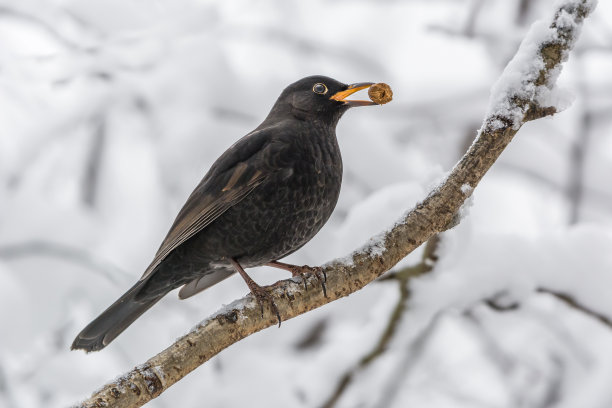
<point>113,321</point>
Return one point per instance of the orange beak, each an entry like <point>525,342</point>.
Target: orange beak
<point>342,95</point>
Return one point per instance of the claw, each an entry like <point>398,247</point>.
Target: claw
<point>301,275</point>
<point>318,272</point>
<point>258,292</point>
<point>302,271</point>
<point>262,295</point>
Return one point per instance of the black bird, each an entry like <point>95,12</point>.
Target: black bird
<point>263,199</point>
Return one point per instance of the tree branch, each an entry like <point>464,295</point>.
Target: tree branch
<point>402,277</point>
<point>575,304</point>
<point>517,97</point>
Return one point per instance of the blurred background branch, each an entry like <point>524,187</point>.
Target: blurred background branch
<point>402,277</point>
<point>14,252</point>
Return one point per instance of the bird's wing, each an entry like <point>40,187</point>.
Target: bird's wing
<point>240,170</point>
<point>199,284</point>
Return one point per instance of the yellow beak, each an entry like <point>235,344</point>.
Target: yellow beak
<point>342,95</point>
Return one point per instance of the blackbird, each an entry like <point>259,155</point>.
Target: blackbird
<point>264,198</point>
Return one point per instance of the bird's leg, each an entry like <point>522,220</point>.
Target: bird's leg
<point>301,270</point>
<point>260,293</point>
<point>294,269</point>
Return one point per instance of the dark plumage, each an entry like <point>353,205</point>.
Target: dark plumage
<point>263,199</point>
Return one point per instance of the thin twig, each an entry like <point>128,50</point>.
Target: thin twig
<point>11,252</point>
<point>574,304</point>
<point>94,161</point>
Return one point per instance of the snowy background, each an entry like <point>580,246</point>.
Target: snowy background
<point>111,111</point>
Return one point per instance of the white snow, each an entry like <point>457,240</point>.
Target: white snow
<point>464,210</point>
<point>466,189</point>
<point>518,78</point>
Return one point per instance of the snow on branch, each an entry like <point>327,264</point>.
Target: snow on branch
<point>525,91</point>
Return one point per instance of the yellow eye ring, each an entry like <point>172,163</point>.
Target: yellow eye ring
<point>319,88</point>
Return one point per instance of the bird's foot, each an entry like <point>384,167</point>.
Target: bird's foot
<point>262,296</point>
<point>301,271</point>
<point>317,271</point>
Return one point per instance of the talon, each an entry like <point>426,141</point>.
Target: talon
<point>318,271</point>
<point>301,271</point>
<point>262,295</point>
<point>295,272</point>
<point>257,291</point>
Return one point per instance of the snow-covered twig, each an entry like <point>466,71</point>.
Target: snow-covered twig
<point>524,92</point>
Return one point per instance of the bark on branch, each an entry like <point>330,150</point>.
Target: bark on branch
<point>521,95</point>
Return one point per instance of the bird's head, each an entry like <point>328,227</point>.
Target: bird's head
<point>318,98</point>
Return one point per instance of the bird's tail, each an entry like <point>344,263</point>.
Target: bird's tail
<point>114,320</point>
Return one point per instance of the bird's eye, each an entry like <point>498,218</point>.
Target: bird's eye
<point>319,88</point>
